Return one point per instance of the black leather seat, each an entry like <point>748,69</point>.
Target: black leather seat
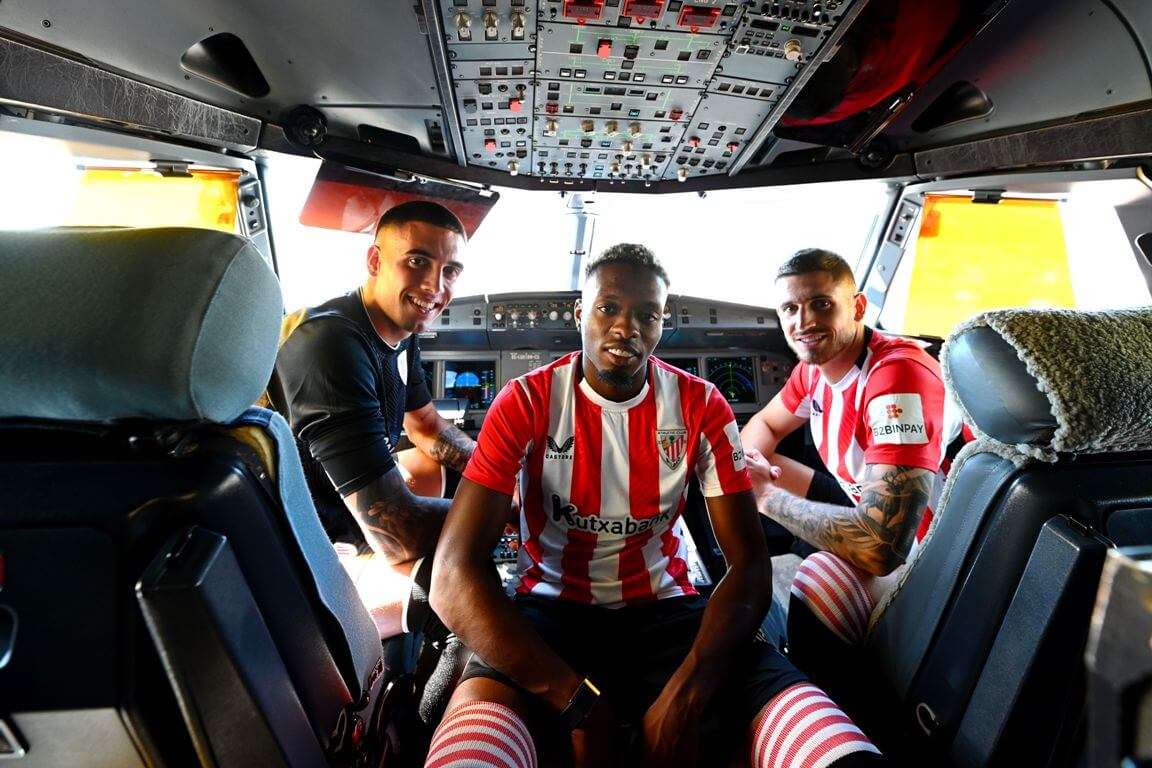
<point>981,644</point>
<point>175,598</point>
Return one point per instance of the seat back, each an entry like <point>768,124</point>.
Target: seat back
<point>174,593</point>
<point>981,642</point>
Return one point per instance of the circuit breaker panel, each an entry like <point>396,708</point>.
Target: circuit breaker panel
<point>628,90</point>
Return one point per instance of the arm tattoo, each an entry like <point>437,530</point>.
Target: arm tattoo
<point>453,448</point>
<point>399,526</point>
<point>875,535</point>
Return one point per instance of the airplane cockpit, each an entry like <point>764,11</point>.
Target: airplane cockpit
<point>177,178</point>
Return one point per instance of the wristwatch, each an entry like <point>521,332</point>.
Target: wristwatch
<point>580,704</point>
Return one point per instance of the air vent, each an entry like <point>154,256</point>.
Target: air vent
<point>224,59</point>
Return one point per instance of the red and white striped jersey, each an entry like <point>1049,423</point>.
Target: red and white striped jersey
<point>603,483</point>
<point>889,409</point>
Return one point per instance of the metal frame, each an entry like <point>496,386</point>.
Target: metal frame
<point>85,91</point>
<point>1047,183</point>
<point>826,51</point>
<point>443,78</point>
<point>1103,137</point>
<point>370,157</point>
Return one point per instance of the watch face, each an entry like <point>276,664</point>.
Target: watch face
<point>580,704</point>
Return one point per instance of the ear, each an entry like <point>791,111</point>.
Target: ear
<point>861,304</point>
<point>578,311</point>
<point>373,259</point>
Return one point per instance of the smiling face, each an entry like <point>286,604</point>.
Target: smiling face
<point>621,315</point>
<point>822,319</point>
<point>412,271</point>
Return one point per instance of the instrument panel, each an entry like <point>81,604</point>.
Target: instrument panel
<point>482,342</point>
<point>628,90</point>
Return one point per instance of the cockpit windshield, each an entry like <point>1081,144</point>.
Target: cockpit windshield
<point>724,245</point>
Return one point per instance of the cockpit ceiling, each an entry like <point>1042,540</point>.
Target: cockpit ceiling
<point>599,92</point>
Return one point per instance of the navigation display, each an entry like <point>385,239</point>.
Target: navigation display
<point>689,364</point>
<point>474,380</point>
<point>734,377</point>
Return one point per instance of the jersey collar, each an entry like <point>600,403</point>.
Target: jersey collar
<point>605,403</point>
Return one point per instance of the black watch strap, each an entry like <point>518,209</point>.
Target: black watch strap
<point>580,704</point>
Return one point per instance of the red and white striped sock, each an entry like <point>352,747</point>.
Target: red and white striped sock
<point>481,734</point>
<point>834,592</point>
<point>803,728</point>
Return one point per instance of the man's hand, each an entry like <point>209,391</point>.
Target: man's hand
<point>442,442</point>
<point>671,732</point>
<point>594,740</point>
<point>763,474</point>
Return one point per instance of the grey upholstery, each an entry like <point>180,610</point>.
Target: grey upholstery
<point>155,324</point>
<point>980,642</point>
<point>128,363</point>
<point>1091,371</point>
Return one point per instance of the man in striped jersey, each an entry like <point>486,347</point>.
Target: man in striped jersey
<point>604,442</point>
<point>875,406</point>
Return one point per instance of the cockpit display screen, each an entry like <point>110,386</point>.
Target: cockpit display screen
<point>689,364</point>
<point>734,377</point>
<point>429,368</point>
<point>474,380</point>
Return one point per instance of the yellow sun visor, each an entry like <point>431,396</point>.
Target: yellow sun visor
<point>133,197</point>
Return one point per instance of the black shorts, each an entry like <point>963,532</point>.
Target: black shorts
<point>825,488</point>
<point>630,653</point>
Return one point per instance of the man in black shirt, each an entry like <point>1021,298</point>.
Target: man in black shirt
<point>348,377</point>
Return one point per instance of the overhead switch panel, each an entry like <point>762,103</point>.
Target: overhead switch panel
<point>626,91</point>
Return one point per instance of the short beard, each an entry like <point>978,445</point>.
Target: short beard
<point>616,378</point>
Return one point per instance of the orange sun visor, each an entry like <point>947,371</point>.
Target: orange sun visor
<point>353,200</point>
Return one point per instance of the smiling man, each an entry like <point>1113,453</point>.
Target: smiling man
<point>875,406</point>
<point>606,627</point>
<point>348,378</point>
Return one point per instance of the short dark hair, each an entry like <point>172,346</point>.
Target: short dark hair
<point>628,253</point>
<point>423,211</point>
<point>817,260</point>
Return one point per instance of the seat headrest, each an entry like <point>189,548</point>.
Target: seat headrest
<point>150,323</point>
<point>1055,381</point>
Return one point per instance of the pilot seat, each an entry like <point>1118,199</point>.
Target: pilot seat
<point>980,647</point>
<point>167,594</point>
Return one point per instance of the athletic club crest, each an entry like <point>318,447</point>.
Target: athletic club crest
<point>673,444</point>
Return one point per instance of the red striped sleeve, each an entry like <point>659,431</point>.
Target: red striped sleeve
<point>905,377</point>
<point>720,430</point>
<point>503,439</point>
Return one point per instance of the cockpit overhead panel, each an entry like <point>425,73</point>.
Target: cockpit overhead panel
<point>628,90</point>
